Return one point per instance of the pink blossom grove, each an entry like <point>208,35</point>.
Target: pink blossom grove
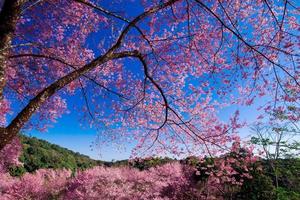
<point>169,181</point>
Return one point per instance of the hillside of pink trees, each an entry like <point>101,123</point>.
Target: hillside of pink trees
<point>174,180</point>
<point>170,181</point>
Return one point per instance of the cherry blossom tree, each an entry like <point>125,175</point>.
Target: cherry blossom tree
<point>157,74</point>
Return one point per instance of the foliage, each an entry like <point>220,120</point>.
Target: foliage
<point>277,142</point>
<point>263,184</point>
<point>260,187</point>
<point>146,163</point>
<point>284,194</point>
<point>288,172</point>
<point>16,170</point>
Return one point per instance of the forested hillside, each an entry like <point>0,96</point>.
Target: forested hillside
<point>267,179</point>
<point>38,154</point>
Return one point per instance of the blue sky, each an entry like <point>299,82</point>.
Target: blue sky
<point>68,133</point>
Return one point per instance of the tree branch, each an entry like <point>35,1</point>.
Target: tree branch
<point>8,133</point>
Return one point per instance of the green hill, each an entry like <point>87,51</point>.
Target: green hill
<point>39,154</point>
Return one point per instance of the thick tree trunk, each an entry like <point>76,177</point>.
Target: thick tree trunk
<point>10,12</point>
<point>9,15</point>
